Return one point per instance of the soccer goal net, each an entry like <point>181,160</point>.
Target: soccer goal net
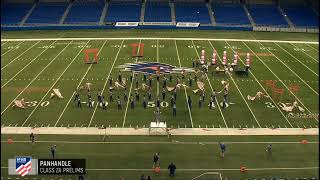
<point>208,176</point>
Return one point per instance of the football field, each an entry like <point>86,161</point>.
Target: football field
<point>33,63</point>
<point>30,69</point>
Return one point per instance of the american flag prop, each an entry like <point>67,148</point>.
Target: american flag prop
<point>203,57</point>
<point>224,62</point>
<point>214,57</point>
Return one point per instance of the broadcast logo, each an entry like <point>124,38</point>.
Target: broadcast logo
<point>23,165</point>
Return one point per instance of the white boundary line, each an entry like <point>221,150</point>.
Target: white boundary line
<point>25,66</point>
<point>185,91</point>
<point>155,38</point>
<point>20,55</point>
<point>315,60</point>
<point>293,71</point>
<point>261,87</point>
<point>312,47</point>
<point>105,84</point>
<point>297,59</point>
<point>35,108</point>
<point>77,87</point>
<point>34,78</point>
<point>129,94</point>
<point>218,105</point>
<point>10,49</point>
<point>278,78</point>
<point>167,142</point>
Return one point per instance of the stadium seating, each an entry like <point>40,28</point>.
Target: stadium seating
<point>47,13</point>
<point>301,16</point>
<point>87,11</point>
<point>157,12</point>
<point>14,13</point>
<point>192,12</point>
<point>266,15</point>
<point>230,14</point>
<point>123,12</point>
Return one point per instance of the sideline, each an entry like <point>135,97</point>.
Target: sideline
<point>157,38</point>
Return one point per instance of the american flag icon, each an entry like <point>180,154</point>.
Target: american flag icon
<point>23,165</point>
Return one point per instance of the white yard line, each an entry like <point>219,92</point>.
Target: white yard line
<point>77,87</point>
<point>315,60</point>
<point>293,71</point>
<point>105,84</point>
<point>234,84</point>
<point>236,87</point>
<point>313,47</point>
<point>185,91</point>
<point>11,49</point>
<point>25,66</point>
<point>155,38</point>
<point>297,60</point>
<point>261,87</point>
<point>157,61</point>
<point>9,105</point>
<point>35,108</point>
<point>167,142</point>
<point>218,105</point>
<point>279,79</point>
<point>125,113</point>
<point>4,43</point>
<point>20,55</point>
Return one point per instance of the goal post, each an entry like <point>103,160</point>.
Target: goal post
<point>208,176</point>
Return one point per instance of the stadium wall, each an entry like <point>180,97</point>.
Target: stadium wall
<point>70,27</point>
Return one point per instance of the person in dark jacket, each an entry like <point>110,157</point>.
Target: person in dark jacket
<point>172,168</point>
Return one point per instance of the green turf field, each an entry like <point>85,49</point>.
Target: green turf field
<point>30,69</point>
<point>131,156</point>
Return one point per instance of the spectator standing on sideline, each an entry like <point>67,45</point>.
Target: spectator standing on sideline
<point>32,137</point>
<point>172,168</point>
<point>53,151</point>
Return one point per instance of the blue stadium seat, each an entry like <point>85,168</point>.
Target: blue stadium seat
<point>86,11</point>
<point>301,16</point>
<point>230,14</point>
<point>192,12</point>
<point>14,13</point>
<point>267,15</point>
<point>47,13</point>
<point>157,12</point>
<point>123,12</point>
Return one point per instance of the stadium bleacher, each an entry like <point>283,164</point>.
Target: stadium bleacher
<point>230,13</point>
<point>123,12</point>
<point>85,11</point>
<point>266,15</point>
<point>302,16</point>
<point>14,13</point>
<point>157,12</point>
<point>192,12</point>
<point>40,13</point>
